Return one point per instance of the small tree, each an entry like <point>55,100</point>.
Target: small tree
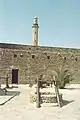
<point>63,76</point>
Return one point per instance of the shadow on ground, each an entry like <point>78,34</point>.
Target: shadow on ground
<point>9,93</point>
<point>66,102</point>
<point>72,88</point>
<point>12,87</point>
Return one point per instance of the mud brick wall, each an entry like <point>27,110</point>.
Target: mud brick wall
<point>32,61</point>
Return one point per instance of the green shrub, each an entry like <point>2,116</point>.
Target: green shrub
<point>63,77</point>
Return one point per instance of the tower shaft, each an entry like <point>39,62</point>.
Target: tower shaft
<point>35,32</point>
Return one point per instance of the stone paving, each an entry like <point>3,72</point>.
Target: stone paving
<point>19,107</point>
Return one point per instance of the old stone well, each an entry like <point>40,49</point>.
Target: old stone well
<point>47,95</point>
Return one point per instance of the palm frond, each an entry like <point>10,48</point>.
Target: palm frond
<point>63,76</point>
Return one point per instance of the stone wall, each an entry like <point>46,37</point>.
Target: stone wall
<point>32,61</point>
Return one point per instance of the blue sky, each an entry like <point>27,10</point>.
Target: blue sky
<point>59,22</point>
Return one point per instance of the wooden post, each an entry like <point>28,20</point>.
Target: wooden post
<point>7,76</point>
<point>0,82</point>
<point>57,94</point>
<point>7,85</point>
<point>38,94</point>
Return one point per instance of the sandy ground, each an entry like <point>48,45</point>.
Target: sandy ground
<point>19,108</point>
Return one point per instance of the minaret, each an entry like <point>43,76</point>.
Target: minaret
<point>35,32</point>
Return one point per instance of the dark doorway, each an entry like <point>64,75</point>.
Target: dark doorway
<point>14,76</point>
